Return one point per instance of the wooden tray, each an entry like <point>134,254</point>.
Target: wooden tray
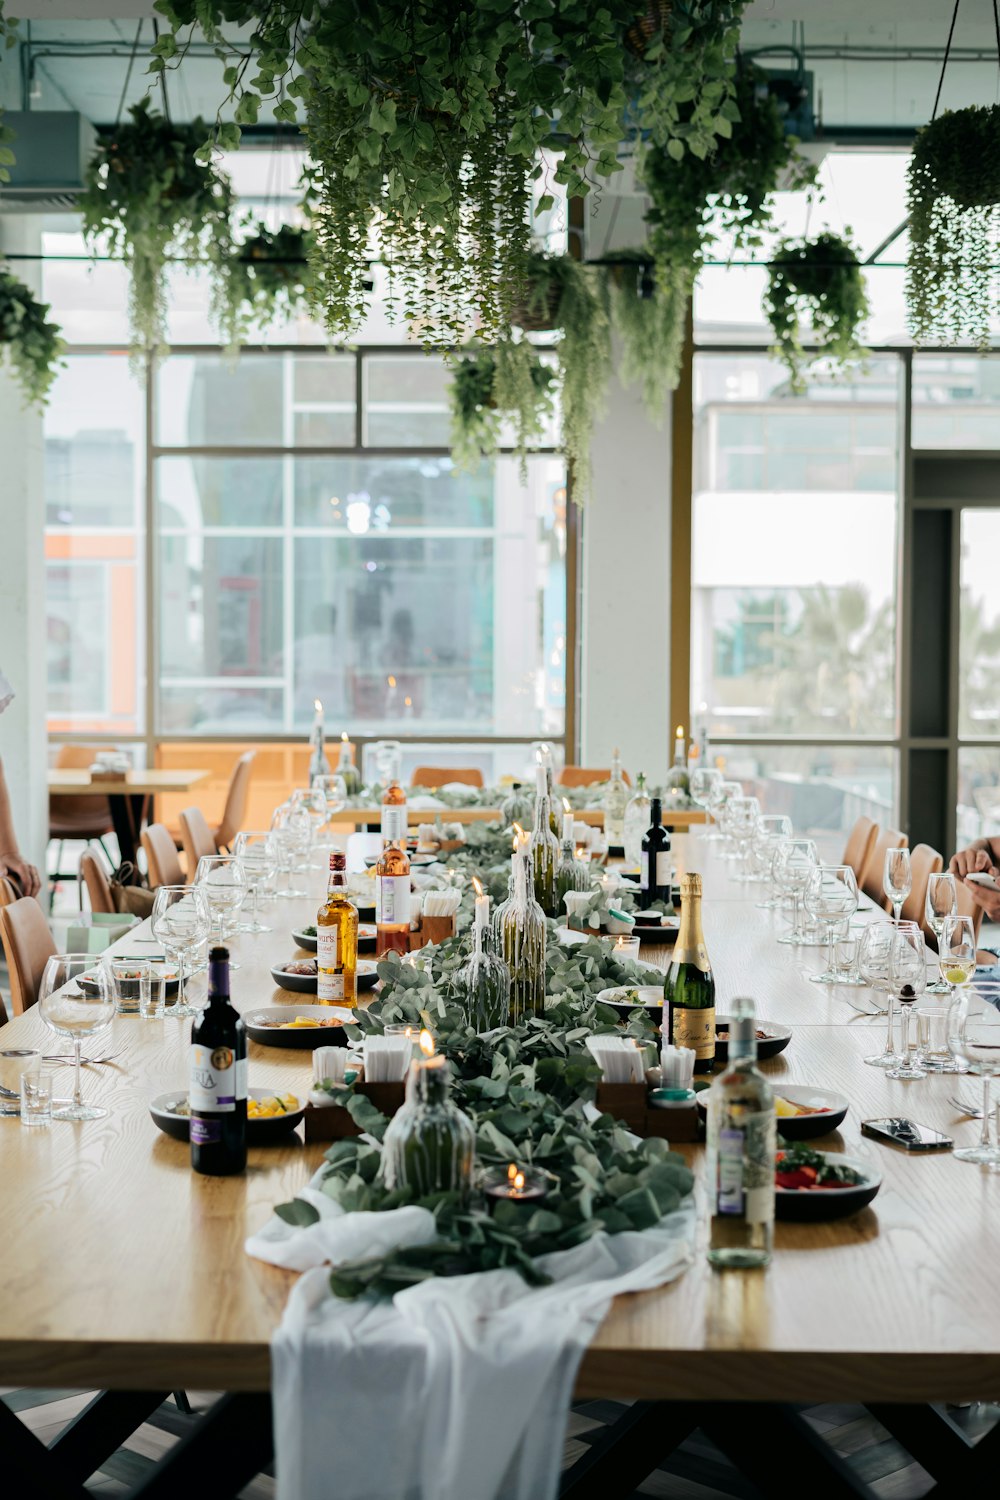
<point>628,1102</point>
<point>331,1122</point>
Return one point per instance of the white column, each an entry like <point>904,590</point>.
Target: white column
<point>625,601</point>
<point>23,744</point>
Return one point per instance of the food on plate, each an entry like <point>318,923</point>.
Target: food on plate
<point>803,1169</point>
<point>307,967</point>
<point>300,1023</point>
<point>786,1110</point>
<point>271,1106</point>
<point>762,1036</point>
<point>308,931</point>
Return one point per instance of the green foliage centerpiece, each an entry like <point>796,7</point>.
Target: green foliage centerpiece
<point>148,195</point>
<point>953,200</point>
<point>31,344</point>
<point>820,278</point>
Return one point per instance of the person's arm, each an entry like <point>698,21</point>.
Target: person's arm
<point>10,855</point>
<point>981,857</point>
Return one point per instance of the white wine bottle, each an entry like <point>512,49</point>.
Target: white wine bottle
<point>740,1158</point>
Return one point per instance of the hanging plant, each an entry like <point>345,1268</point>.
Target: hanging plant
<point>145,191</point>
<point>953,201</point>
<point>683,71</point>
<point>32,345</point>
<point>493,387</point>
<point>696,201</point>
<point>820,279</point>
<point>270,278</point>
<point>424,120</point>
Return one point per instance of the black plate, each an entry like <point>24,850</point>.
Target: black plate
<point>366,939</point>
<point>814,1205</point>
<point>777,1039</point>
<point>259,1132</point>
<point>303,1039</point>
<point>305,984</point>
<point>800,1127</point>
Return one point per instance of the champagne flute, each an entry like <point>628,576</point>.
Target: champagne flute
<point>908,980</point>
<point>974,1039</point>
<point>940,903</point>
<point>256,852</point>
<point>897,878</point>
<point>832,896</point>
<point>75,999</point>
<point>181,922</point>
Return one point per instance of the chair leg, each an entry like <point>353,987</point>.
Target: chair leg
<point>182,1403</point>
<point>54,881</point>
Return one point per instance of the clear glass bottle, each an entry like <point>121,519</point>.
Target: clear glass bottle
<point>614,802</point>
<point>544,848</point>
<point>636,823</point>
<point>571,873</point>
<point>430,1144</point>
<point>741,1133</point>
<point>520,929</point>
<point>485,982</point>
<point>392,900</point>
<point>347,769</point>
<point>337,940</point>
<point>678,786</point>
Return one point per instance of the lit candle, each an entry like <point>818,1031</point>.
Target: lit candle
<point>482,906</point>
<point>516,1185</point>
<point>679,738</point>
<point>568,821</point>
<point>318,720</point>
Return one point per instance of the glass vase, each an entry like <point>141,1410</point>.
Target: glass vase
<point>485,984</point>
<point>520,929</point>
<point>430,1144</point>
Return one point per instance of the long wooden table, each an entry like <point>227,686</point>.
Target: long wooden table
<point>123,1270</point>
<point>358,817</point>
<point>128,796</point>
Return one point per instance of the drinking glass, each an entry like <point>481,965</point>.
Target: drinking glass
<point>181,922</point>
<point>223,879</point>
<point>873,966</point>
<point>957,953</point>
<point>75,1000</point>
<point>845,956</point>
<point>718,796</point>
<point>897,878</point>
<point>292,830</point>
<point>832,897</point>
<point>701,783</point>
<point>37,1088</point>
<point>932,1039</point>
<point>794,869</point>
<point>907,981</point>
<point>14,1063</point>
<point>940,903</point>
<point>257,853</point>
<point>132,982</point>
<point>312,801</point>
<point>730,790</point>
<point>974,1038</point>
<point>742,814</point>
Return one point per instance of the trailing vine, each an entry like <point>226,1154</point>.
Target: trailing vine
<point>269,277</point>
<point>492,387</point>
<point>822,279</point>
<point>32,345</point>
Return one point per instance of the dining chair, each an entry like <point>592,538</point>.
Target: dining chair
<point>586,775</point>
<point>235,810</point>
<point>871,876</point>
<point>8,891</point>
<point>27,945</point>
<point>858,848</point>
<point>95,878</point>
<point>162,864</point>
<point>196,837</point>
<point>441,775</point>
<point>81,817</point>
<point>924,862</point>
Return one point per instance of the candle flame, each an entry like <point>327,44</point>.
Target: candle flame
<point>478,884</point>
<point>427,1044</point>
<point>407,702</point>
<point>344,736</point>
<point>391,681</point>
<point>518,1183</point>
<point>679,731</point>
<point>519,831</point>
<point>511,1172</point>
<point>317,705</point>
<point>566,806</point>
<point>514,845</point>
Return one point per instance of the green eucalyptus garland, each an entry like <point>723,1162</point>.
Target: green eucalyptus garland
<point>953,201</point>
<point>821,278</point>
<point>31,344</point>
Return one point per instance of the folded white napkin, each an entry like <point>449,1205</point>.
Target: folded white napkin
<point>387,1058</point>
<point>455,1390</point>
<point>619,1059</point>
<point>425,803</point>
<point>677,1065</point>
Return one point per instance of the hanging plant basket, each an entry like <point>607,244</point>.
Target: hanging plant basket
<point>953,199</point>
<point>819,279</point>
<point>270,278</point>
<point>149,198</point>
<point>29,343</point>
<point>508,384</point>
<point>653,22</point>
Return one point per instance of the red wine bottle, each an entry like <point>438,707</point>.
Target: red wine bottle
<point>217,1087</point>
<point>655,879</point>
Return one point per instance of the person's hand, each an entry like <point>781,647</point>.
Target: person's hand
<point>26,875</point>
<point>988,899</point>
<point>971,861</point>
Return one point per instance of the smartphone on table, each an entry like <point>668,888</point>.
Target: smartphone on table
<point>896,1130</point>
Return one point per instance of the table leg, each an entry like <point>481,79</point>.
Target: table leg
<point>628,1450</point>
<point>224,1450</point>
<point>101,1428</point>
<point>777,1450</point>
<point>30,1472</point>
<point>126,816</point>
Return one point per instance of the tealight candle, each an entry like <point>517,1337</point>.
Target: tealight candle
<point>626,947</point>
<point>516,1185</point>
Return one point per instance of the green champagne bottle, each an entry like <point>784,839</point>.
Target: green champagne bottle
<point>689,988</point>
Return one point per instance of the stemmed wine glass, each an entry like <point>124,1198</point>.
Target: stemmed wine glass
<point>731,790</point>
<point>742,815</point>
<point>718,796</point>
<point>794,866</point>
<point>768,828</point>
<point>897,878</point>
<point>832,896</point>
<point>224,881</point>
<point>181,922</point>
<point>75,999</point>
<point>940,903</point>
<point>974,1038</point>
<point>312,801</point>
<point>256,852</point>
<point>292,830</point>
<point>907,980</point>
<point>701,783</point>
<point>876,964</point>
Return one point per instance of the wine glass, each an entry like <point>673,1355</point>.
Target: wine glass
<point>224,881</point>
<point>257,854</point>
<point>75,999</point>
<point>181,922</point>
<point>731,790</point>
<point>769,827</point>
<point>940,903</point>
<point>742,814</point>
<point>794,867</point>
<point>897,878</point>
<point>701,783</point>
<point>772,848</point>
<point>832,896</point>
<point>312,801</point>
<point>875,960</point>
<point>974,1039</point>
<point>292,830</point>
<point>957,953</point>
<point>907,981</point>
<point>718,796</point>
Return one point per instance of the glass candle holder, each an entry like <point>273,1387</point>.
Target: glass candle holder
<point>485,983</point>
<point>430,1145</point>
<point>516,1184</point>
<point>520,928</point>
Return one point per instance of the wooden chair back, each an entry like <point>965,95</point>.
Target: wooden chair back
<point>235,809</point>
<point>78,816</point>
<point>162,862</point>
<point>8,891</point>
<point>197,838</point>
<point>27,945</point>
<point>586,775</point>
<point>95,878</point>
<point>871,877</point>
<point>441,775</point>
<point>924,862</point>
<point>857,850</point>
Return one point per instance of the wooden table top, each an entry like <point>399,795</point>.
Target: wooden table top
<point>356,816</point>
<point>121,1268</point>
<point>72,783</point>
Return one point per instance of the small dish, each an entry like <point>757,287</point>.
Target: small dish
<point>259,1132</point>
<point>298,984</point>
<point>814,1205</point>
<point>832,1109</point>
<point>649,997</point>
<point>269,1026</point>
<point>774,1040</point>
